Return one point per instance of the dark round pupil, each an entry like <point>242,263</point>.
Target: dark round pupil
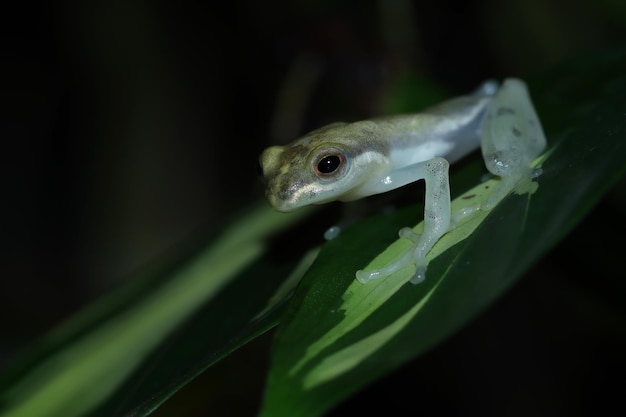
<point>328,164</point>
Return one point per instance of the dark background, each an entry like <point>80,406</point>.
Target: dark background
<point>129,127</point>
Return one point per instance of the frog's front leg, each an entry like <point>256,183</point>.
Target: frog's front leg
<point>436,216</point>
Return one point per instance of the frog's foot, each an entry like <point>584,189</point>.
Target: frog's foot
<point>413,257</point>
<point>350,214</point>
<point>332,232</point>
<point>408,233</point>
<point>521,182</point>
<point>366,276</point>
<point>501,190</point>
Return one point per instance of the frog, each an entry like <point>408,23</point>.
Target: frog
<point>349,161</point>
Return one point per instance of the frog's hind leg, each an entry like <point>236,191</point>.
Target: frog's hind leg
<point>511,137</point>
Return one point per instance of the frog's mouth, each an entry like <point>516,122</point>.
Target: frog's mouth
<point>286,199</point>
<point>280,200</point>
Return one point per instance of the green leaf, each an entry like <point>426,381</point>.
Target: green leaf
<point>109,352</point>
<point>340,335</point>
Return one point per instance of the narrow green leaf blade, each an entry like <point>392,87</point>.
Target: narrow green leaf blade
<point>86,361</point>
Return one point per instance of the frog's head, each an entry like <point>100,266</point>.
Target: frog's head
<point>320,167</point>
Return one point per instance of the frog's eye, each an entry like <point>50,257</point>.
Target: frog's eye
<point>329,164</point>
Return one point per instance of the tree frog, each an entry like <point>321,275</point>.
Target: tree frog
<point>348,161</point>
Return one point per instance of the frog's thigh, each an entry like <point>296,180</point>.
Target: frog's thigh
<point>511,137</point>
<point>511,134</point>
